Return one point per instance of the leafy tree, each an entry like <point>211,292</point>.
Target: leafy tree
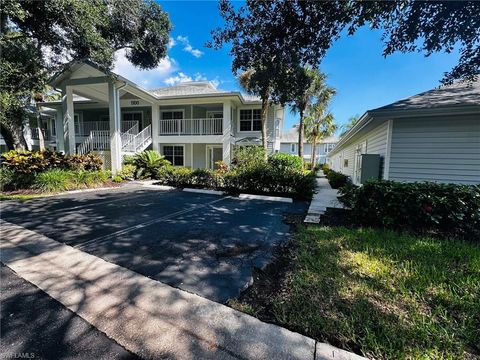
<point>351,123</point>
<point>300,32</point>
<point>310,86</point>
<point>39,38</point>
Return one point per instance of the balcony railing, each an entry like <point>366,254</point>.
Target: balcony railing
<point>191,126</point>
<point>88,126</point>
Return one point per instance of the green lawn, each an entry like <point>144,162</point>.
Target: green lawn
<point>386,295</point>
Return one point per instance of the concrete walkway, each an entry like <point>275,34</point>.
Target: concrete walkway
<point>147,317</point>
<point>324,197</point>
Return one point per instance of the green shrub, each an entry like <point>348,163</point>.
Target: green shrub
<point>34,162</point>
<point>127,172</point>
<point>147,163</point>
<point>205,178</point>
<point>285,161</point>
<point>423,206</point>
<point>117,179</point>
<point>54,180</point>
<point>325,168</point>
<point>174,176</point>
<point>269,180</point>
<point>336,179</point>
<point>7,179</point>
<point>245,157</point>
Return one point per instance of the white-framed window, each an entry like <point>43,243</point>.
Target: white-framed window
<point>250,119</point>
<point>293,148</point>
<point>77,124</point>
<point>171,125</point>
<point>328,147</point>
<point>175,154</point>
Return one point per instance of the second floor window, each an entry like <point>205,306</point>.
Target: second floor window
<point>250,120</point>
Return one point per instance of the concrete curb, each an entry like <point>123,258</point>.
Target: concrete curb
<point>204,191</point>
<point>145,316</point>
<point>265,197</point>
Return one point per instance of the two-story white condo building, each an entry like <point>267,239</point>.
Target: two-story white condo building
<point>192,124</point>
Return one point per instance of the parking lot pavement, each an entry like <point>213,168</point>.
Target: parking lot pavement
<point>34,324</point>
<point>205,244</point>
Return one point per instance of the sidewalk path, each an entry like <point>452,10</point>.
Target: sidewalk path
<point>147,317</point>
<point>324,197</point>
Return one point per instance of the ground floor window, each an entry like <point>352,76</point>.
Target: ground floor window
<point>174,154</point>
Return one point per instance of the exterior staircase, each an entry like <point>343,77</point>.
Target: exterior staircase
<point>133,141</point>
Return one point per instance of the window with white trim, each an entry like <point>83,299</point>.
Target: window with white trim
<point>174,154</point>
<point>250,120</point>
<point>293,148</point>
<point>328,147</point>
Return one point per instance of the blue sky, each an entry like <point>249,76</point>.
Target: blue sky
<point>355,65</point>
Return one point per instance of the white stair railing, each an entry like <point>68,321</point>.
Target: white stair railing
<point>98,140</point>
<point>128,137</point>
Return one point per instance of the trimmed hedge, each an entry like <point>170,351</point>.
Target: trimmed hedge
<point>255,180</point>
<point>337,180</point>
<point>285,161</point>
<point>420,207</point>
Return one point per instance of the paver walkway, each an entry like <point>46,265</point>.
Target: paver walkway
<point>147,317</point>
<point>324,197</point>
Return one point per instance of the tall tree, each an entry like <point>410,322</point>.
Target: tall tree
<point>39,37</point>
<point>318,124</point>
<point>300,32</point>
<point>258,82</point>
<point>310,86</point>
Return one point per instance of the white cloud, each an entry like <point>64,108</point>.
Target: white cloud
<point>171,43</point>
<point>189,48</point>
<point>146,78</point>
<point>179,78</point>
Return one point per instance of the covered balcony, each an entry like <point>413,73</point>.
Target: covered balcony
<point>191,120</point>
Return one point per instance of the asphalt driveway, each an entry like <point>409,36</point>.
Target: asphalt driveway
<point>205,244</point>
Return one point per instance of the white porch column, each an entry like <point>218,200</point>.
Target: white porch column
<point>155,126</point>
<point>59,131</point>
<point>115,139</point>
<point>227,130</point>
<point>68,130</point>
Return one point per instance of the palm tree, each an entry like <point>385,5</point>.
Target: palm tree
<point>311,86</point>
<point>351,123</point>
<point>257,82</point>
<point>318,125</point>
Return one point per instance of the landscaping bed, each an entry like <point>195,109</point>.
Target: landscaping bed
<point>29,174</point>
<point>379,293</point>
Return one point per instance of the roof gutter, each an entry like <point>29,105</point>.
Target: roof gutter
<point>364,121</point>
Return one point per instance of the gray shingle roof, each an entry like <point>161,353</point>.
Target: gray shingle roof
<point>460,93</point>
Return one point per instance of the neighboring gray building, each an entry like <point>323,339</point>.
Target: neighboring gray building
<point>289,145</point>
<point>432,136</point>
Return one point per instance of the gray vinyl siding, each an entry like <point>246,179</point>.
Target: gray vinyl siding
<point>376,143</point>
<point>441,149</point>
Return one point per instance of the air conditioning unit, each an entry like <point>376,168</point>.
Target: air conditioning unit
<point>370,167</point>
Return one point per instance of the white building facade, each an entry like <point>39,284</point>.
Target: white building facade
<point>192,124</point>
